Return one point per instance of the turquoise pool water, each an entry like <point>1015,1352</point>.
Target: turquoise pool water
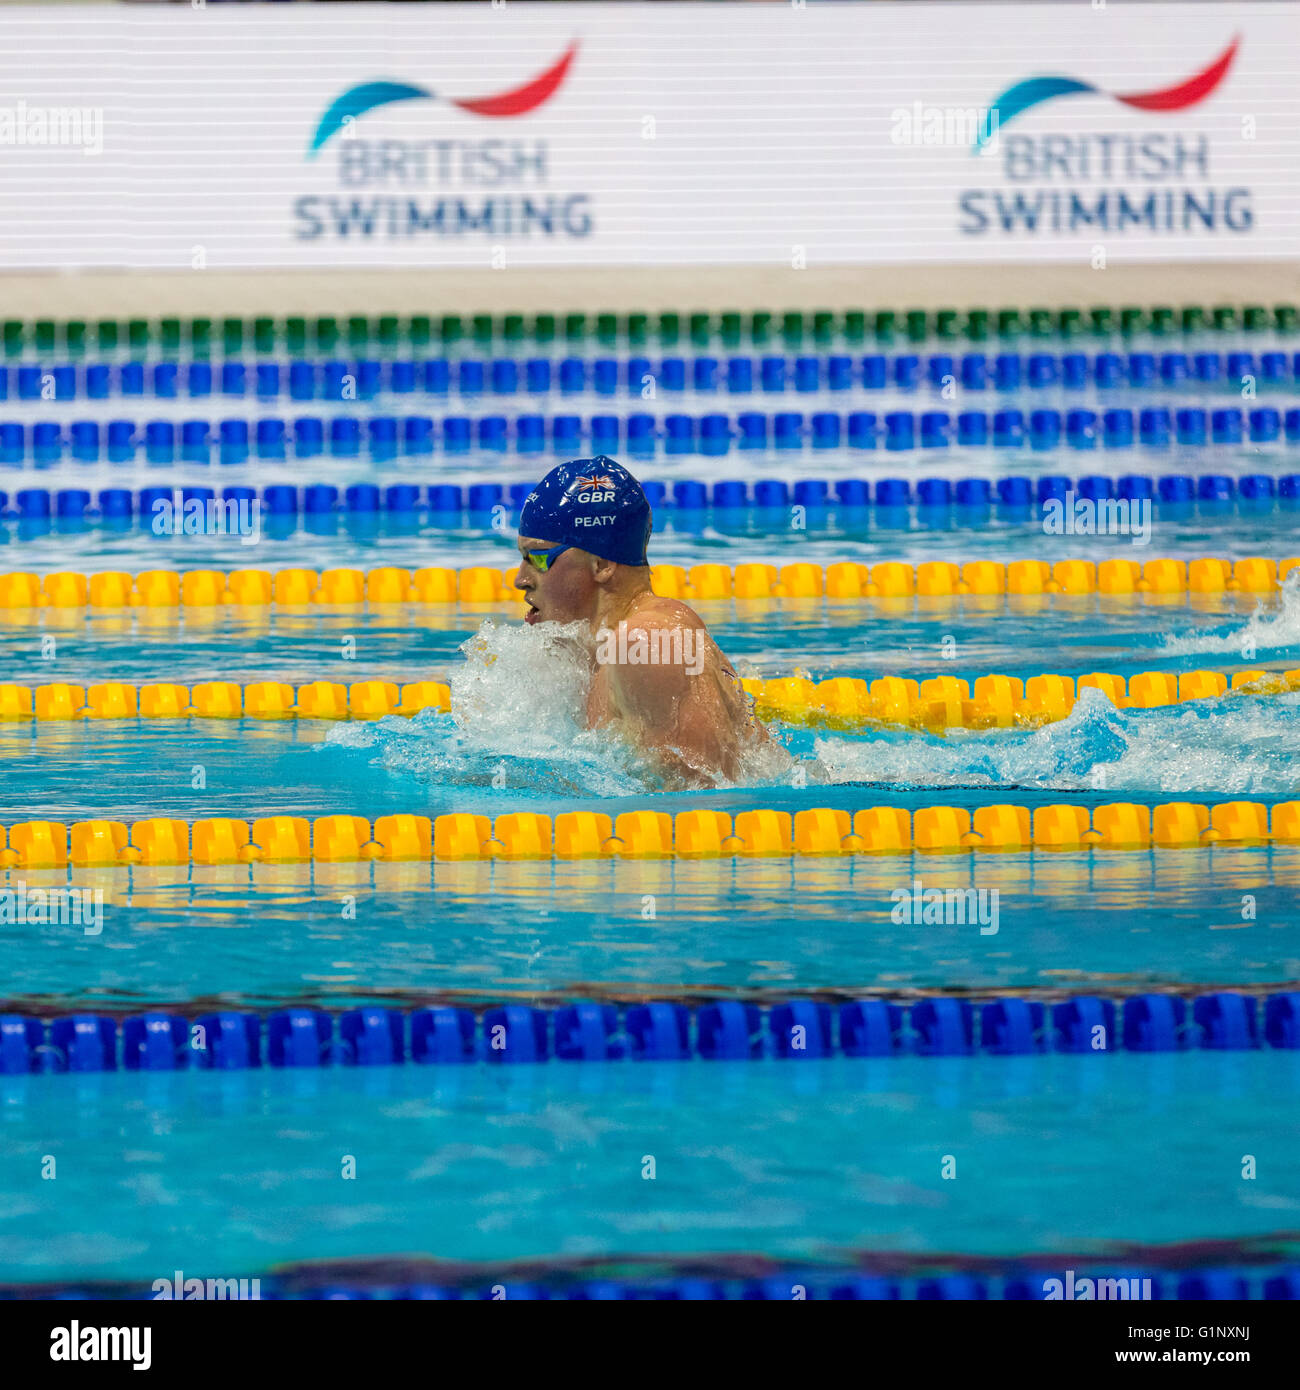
<point>808,1160</point>
<point>840,637</point>
<point>336,936</point>
<point>234,1174</point>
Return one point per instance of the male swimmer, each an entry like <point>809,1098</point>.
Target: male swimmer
<point>658,679</point>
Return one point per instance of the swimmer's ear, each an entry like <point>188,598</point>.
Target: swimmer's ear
<point>602,571</point>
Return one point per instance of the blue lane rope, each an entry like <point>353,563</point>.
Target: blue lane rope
<point>639,434</point>
<point>726,1029</point>
<point>1231,1282</point>
<point>741,374</point>
<point>448,502</point>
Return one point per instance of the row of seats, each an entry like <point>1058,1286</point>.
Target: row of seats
<point>366,378</point>
<point>326,331</point>
<point>385,436</point>
<point>685,494</point>
<point>797,1285</point>
<point>590,1032</point>
<point>645,834</point>
<point>936,579</point>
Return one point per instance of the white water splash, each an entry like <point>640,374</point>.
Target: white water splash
<point>1269,629</point>
<point>517,725</point>
<point>522,686</point>
<point>1237,745</point>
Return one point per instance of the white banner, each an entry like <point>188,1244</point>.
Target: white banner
<point>172,137</point>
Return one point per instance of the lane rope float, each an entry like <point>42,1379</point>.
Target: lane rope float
<point>695,834</point>
<point>800,1030</point>
<point>498,378</point>
<point>200,508</point>
<point>638,433</point>
<point>325,332</point>
<point>841,703</point>
<point>885,580</point>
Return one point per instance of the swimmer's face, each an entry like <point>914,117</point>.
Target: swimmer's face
<point>565,592</point>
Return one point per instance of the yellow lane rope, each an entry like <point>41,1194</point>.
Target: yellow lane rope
<point>842,702</point>
<point>891,580</point>
<point>698,834</point>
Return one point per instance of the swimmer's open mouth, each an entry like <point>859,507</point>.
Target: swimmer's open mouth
<point>532,615</point>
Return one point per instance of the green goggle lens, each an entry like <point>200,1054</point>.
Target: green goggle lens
<point>542,560</point>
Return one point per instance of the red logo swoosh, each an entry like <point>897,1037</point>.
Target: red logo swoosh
<point>526,98</point>
<point>1186,93</point>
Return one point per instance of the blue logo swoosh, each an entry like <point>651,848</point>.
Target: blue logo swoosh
<point>1026,94</point>
<point>356,101</point>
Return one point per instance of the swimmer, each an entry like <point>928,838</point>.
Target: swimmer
<point>658,679</point>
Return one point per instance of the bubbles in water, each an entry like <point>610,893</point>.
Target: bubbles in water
<point>1267,630</point>
<point>1238,745</point>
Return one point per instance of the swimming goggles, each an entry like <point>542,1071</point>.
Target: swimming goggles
<point>543,559</point>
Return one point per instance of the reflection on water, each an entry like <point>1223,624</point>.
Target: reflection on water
<point>266,935</point>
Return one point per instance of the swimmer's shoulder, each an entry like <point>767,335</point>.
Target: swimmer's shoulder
<point>672,615</point>
<point>655,611</point>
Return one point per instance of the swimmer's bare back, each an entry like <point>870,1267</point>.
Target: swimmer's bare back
<point>664,685</point>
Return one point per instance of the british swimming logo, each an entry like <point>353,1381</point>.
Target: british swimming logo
<point>1021,97</point>
<point>345,110</point>
<point>1110,183</point>
<point>454,185</point>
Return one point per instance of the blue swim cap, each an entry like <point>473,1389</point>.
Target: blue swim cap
<point>595,504</point>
